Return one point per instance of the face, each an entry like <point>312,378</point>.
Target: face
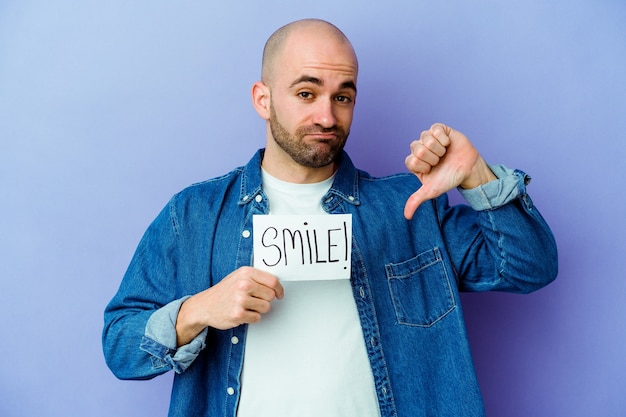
<point>312,100</point>
<point>311,153</point>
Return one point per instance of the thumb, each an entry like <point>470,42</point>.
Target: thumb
<point>414,201</point>
<point>424,193</point>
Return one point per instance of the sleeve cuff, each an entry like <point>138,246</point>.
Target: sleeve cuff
<point>509,185</point>
<point>159,339</point>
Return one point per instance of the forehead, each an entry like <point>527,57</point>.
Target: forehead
<point>323,55</point>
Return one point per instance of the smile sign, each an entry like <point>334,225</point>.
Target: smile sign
<point>300,248</point>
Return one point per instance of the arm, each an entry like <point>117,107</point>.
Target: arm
<point>501,242</point>
<point>150,328</point>
<point>147,288</point>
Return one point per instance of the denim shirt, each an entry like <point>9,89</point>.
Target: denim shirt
<point>406,279</point>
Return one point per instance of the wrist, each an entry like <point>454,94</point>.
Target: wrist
<point>481,174</point>
<point>186,326</point>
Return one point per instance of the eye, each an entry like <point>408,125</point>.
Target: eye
<point>305,95</point>
<point>343,99</point>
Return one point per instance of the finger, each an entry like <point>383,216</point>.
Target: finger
<point>245,316</point>
<point>270,282</point>
<point>441,132</point>
<point>246,308</point>
<point>424,193</point>
<point>423,154</point>
<point>417,166</point>
<point>409,209</point>
<point>412,203</point>
<point>436,145</point>
<point>261,292</point>
<point>258,305</point>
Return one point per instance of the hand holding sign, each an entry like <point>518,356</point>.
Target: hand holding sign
<point>443,159</point>
<point>241,297</point>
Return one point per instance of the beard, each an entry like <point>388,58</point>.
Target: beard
<point>311,155</point>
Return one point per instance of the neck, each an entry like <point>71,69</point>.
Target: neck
<point>280,165</point>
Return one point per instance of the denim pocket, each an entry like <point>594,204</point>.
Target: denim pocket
<point>420,289</point>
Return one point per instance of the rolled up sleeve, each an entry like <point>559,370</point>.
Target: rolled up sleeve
<point>509,185</point>
<point>159,339</point>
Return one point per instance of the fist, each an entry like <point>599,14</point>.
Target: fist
<point>443,158</point>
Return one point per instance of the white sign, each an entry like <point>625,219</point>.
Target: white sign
<point>301,248</point>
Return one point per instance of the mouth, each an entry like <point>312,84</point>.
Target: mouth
<point>322,135</point>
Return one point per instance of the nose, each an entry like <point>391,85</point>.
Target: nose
<point>324,115</point>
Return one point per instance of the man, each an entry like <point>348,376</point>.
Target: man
<point>388,341</point>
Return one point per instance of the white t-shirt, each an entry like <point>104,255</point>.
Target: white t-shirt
<point>307,357</point>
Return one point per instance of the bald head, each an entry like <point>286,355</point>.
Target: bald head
<point>311,27</point>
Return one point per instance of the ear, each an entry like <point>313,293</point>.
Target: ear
<point>261,99</point>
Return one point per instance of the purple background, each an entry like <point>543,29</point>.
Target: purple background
<point>108,108</point>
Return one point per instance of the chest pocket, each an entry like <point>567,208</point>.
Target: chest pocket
<point>420,289</point>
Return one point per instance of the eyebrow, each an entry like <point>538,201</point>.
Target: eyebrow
<point>314,80</point>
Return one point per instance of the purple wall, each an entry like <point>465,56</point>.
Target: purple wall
<point>108,108</point>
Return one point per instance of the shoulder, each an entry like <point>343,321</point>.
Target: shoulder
<point>209,186</point>
<point>206,196</point>
<point>388,193</point>
<point>395,181</point>
<point>237,181</point>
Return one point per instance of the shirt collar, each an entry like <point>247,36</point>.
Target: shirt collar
<point>345,186</point>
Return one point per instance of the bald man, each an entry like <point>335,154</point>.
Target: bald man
<point>386,340</point>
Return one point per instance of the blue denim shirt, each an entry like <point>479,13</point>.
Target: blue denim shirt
<point>406,279</point>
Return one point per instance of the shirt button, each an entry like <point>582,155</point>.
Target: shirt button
<point>234,340</point>
<point>230,390</point>
<point>361,292</point>
<point>246,197</point>
<point>245,233</point>
<point>351,198</point>
<point>258,198</point>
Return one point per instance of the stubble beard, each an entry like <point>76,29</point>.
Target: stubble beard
<point>310,155</point>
